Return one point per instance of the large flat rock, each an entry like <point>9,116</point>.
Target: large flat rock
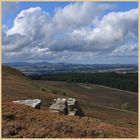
<point>35,103</point>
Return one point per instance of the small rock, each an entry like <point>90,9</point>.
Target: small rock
<point>35,103</point>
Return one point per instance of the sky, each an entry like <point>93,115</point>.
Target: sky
<point>70,32</point>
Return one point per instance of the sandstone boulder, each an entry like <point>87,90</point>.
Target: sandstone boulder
<point>71,104</point>
<point>67,106</point>
<point>58,106</point>
<point>35,103</point>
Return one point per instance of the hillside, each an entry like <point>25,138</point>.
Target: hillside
<point>16,85</point>
<point>103,117</point>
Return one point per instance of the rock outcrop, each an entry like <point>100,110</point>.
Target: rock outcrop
<point>71,104</point>
<point>59,106</point>
<point>67,106</point>
<point>35,103</point>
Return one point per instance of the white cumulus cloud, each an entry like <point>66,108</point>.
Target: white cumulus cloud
<point>77,31</point>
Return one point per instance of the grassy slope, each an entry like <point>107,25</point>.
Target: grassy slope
<point>17,119</point>
<point>15,86</point>
<point>100,102</point>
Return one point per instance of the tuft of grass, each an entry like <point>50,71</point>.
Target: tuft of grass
<point>43,89</point>
<point>8,116</point>
<point>12,129</point>
<point>55,91</point>
<point>64,93</point>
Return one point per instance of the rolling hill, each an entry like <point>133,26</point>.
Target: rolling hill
<point>101,105</point>
<point>42,68</point>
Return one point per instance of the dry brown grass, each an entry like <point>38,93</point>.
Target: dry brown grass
<point>23,121</point>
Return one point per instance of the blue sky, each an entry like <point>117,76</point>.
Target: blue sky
<point>63,51</point>
<point>50,6</point>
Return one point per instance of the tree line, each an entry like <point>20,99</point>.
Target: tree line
<point>128,81</point>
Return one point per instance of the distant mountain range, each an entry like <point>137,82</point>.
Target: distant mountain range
<point>42,68</point>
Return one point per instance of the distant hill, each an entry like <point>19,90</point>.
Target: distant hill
<point>42,68</point>
<point>102,106</point>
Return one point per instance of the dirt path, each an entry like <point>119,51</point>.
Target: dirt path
<point>88,87</point>
<point>118,89</point>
